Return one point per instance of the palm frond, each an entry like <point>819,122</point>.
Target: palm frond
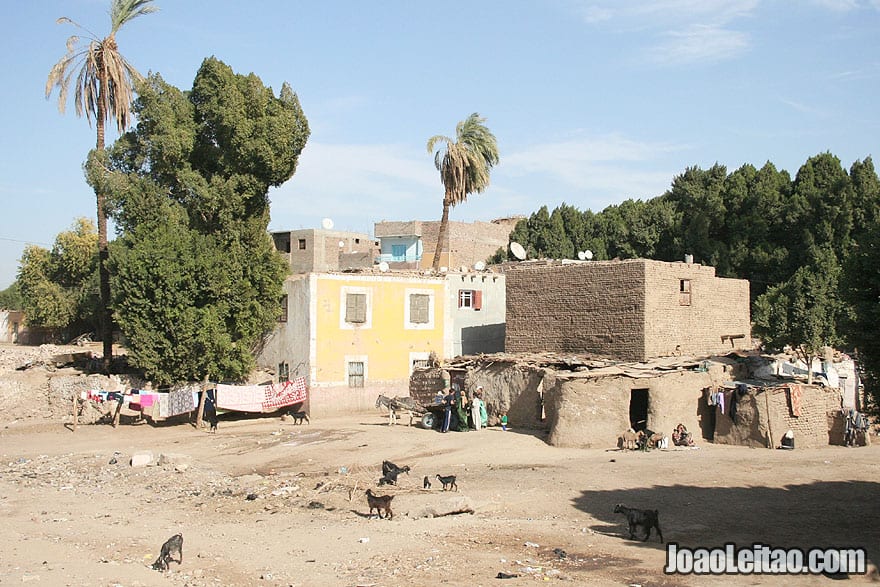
<point>123,11</point>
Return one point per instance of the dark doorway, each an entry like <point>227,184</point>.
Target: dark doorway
<point>638,409</point>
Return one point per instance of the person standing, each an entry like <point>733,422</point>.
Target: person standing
<point>476,407</point>
<point>461,405</point>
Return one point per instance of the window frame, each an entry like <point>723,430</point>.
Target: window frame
<point>408,324</point>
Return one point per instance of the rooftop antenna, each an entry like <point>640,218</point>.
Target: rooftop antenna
<point>518,251</point>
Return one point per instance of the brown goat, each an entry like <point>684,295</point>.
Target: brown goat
<point>380,503</point>
<point>630,439</point>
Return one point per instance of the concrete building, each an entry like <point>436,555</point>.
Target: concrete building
<point>629,310</point>
<point>476,307</point>
<point>12,327</point>
<point>356,335</point>
<point>315,249</point>
<point>411,245</point>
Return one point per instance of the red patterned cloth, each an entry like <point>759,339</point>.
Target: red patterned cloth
<point>285,394</point>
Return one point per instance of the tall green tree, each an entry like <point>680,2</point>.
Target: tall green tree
<point>102,89</point>
<point>59,286</point>
<point>464,163</point>
<point>10,298</point>
<point>197,281</point>
<point>805,312</point>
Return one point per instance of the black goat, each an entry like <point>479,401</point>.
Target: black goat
<point>175,543</point>
<point>390,471</point>
<point>379,503</point>
<point>448,482</point>
<point>647,519</point>
<point>426,483</point>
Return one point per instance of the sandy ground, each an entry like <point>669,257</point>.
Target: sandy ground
<point>539,512</point>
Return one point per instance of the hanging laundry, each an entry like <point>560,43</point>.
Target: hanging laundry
<point>284,394</point>
<point>795,398</point>
<point>164,408</point>
<point>240,398</point>
<point>180,401</point>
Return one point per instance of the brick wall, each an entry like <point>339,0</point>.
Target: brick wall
<point>593,308</point>
<point>764,415</point>
<point>469,242</point>
<point>629,310</point>
<point>717,308</point>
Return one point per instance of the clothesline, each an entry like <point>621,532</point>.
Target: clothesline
<point>234,398</point>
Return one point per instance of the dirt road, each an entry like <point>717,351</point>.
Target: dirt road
<point>264,502</point>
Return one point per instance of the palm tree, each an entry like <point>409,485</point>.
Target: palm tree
<point>464,165</point>
<point>103,87</point>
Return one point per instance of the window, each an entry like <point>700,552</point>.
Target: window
<point>283,372</point>
<point>684,292</point>
<point>302,244</point>
<point>356,308</point>
<point>355,374</point>
<point>470,298</point>
<point>283,316</point>
<point>419,308</point>
<point>398,252</point>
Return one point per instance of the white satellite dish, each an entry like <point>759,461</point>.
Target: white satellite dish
<point>588,254</point>
<point>518,251</point>
<point>479,266</point>
<point>383,266</point>
<point>582,255</point>
<point>327,223</point>
<point>341,244</point>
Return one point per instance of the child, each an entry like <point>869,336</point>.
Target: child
<point>504,421</point>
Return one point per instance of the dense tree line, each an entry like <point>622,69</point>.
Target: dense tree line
<point>808,245</point>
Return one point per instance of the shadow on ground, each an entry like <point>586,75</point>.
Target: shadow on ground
<point>824,514</point>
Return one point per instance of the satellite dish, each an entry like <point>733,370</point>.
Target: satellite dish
<point>588,254</point>
<point>383,266</point>
<point>327,223</point>
<point>341,244</point>
<point>518,251</point>
<point>582,255</point>
<point>479,266</point>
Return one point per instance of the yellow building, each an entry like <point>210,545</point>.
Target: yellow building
<point>356,335</point>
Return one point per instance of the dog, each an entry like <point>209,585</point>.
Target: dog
<point>173,544</point>
<point>299,417</point>
<point>426,483</point>
<point>448,482</point>
<point>380,503</point>
<point>647,519</point>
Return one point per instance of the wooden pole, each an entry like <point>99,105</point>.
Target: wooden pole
<point>118,410</point>
<point>201,411</point>
<point>75,410</point>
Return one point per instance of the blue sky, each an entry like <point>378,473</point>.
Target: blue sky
<point>592,102</point>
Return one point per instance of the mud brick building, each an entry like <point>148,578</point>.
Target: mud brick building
<point>629,310</point>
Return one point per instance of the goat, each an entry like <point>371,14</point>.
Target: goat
<point>630,439</point>
<point>448,482</point>
<point>175,543</point>
<point>647,519</point>
<point>426,483</point>
<point>379,503</point>
<point>390,471</point>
